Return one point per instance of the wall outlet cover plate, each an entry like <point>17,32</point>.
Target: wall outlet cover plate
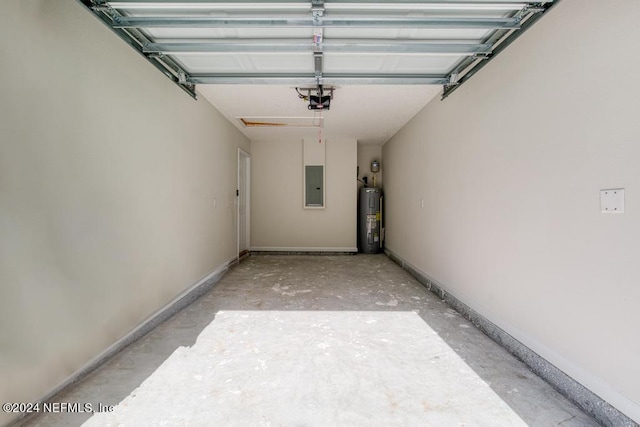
<point>612,200</point>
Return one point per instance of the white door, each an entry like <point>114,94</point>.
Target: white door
<point>243,202</point>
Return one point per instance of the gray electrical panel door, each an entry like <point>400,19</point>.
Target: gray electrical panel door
<point>313,178</point>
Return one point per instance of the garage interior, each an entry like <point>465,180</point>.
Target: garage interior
<point>148,148</point>
<point>317,340</point>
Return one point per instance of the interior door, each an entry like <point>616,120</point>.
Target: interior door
<point>243,203</point>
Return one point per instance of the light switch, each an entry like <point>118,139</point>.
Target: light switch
<point>612,200</point>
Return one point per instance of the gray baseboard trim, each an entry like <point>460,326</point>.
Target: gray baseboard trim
<point>581,396</point>
<point>323,253</point>
<point>176,305</point>
<point>244,256</point>
<point>303,249</point>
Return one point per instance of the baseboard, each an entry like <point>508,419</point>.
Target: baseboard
<point>188,296</point>
<point>242,256</point>
<point>573,390</point>
<point>295,249</point>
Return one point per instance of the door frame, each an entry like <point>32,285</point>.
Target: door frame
<point>243,156</point>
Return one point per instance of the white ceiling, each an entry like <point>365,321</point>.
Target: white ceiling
<point>370,114</point>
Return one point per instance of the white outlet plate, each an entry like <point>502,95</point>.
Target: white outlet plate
<point>612,200</point>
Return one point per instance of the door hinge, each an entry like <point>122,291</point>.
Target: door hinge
<point>237,193</point>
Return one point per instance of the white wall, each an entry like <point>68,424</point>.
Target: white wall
<point>510,167</point>
<point>367,153</point>
<point>107,175</point>
<point>278,219</point>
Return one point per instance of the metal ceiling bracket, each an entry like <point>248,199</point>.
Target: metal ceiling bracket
<point>101,8</point>
<point>182,77</point>
<point>317,60</point>
<point>529,9</point>
<point>317,10</point>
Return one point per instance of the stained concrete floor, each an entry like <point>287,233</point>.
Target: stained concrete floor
<point>317,341</point>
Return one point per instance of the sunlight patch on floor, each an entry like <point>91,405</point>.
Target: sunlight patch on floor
<point>319,368</point>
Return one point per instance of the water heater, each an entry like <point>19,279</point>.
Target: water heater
<point>370,220</point>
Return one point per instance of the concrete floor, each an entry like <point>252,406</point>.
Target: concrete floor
<point>317,341</point>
